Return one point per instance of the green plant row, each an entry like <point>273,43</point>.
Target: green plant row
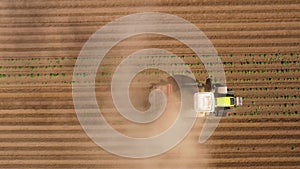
<point>62,58</point>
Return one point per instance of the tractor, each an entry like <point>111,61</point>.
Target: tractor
<point>211,99</point>
<point>216,99</point>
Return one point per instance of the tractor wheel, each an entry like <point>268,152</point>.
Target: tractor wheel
<point>208,85</point>
<point>219,112</point>
<point>223,112</point>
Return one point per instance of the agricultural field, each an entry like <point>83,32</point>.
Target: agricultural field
<point>257,41</point>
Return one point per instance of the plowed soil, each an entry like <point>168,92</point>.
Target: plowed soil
<point>258,42</point>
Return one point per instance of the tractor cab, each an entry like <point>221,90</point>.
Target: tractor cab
<point>204,102</point>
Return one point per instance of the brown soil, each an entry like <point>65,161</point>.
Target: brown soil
<point>38,124</point>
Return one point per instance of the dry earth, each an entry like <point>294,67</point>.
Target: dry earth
<point>38,123</point>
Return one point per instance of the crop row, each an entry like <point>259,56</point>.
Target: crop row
<point>106,77</point>
<point>234,77</point>
<point>286,58</point>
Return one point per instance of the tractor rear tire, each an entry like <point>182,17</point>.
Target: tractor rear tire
<point>219,113</point>
<point>223,112</point>
<point>208,85</point>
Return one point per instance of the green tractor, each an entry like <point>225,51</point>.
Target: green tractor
<point>216,99</point>
<point>211,99</point>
